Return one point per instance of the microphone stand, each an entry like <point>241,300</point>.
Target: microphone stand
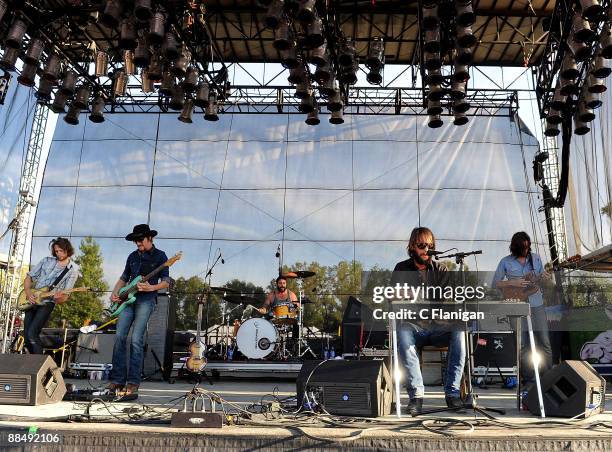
<point>208,280</point>
<point>471,401</point>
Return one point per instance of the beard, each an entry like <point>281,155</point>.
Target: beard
<point>281,289</point>
<point>421,260</point>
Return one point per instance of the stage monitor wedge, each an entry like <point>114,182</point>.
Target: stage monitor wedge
<point>30,380</point>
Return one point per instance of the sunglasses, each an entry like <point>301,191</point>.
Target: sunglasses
<point>422,246</point>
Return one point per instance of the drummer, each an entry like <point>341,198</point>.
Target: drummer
<point>280,297</point>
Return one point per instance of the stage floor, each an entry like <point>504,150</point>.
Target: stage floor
<point>517,430</point>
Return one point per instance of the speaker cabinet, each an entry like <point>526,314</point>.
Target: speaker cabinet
<point>571,389</point>
<point>30,380</point>
<point>346,388</point>
<point>160,338</point>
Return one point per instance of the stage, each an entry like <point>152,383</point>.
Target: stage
<point>101,427</point>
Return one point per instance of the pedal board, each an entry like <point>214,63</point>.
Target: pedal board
<point>87,395</point>
<point>196,420</point>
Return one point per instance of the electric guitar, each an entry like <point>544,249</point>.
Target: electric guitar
<point>196,361</point>
<point>523,293</point>
<point>23,304</point>
<point>127,294</point>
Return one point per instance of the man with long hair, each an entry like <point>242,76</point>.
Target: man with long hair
<point>519,269</point>
<point>57,272</point>
<point>421,269</point>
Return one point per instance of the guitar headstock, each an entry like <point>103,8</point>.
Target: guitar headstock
<point>173,259</point>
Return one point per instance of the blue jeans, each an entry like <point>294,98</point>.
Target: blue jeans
<point>35,320</point>
<point>134,316</point>
<point>542,343</point>
<point>411,337</point>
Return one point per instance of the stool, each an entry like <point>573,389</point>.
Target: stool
<point>443,352</point>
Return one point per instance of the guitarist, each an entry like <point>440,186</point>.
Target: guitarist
<point>55,272</point>
<point>518,270</point>
<point>136,315</point>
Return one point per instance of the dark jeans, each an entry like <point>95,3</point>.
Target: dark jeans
<point>35,320</point>
<point>542,343</point>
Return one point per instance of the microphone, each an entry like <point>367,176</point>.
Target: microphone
<point>278,251</point>
<point>434,252</point>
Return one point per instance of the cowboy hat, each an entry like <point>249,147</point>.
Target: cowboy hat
<point>140,232</point>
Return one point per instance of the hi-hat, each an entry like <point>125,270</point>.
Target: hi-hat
<point>299,274</point>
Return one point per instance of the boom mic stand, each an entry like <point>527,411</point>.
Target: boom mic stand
<point>471,401</point>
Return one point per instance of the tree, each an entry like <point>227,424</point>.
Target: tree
<point>82,306</point>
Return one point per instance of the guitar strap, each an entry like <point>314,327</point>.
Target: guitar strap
<point>59,278</point>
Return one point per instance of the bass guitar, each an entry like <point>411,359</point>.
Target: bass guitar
<point>196,361</point>
<point>42,294</point>
<point>127,294</point>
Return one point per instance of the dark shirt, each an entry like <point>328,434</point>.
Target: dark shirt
<point>433,275</point>
<point>143,263</point>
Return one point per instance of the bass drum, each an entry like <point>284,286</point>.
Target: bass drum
<point>257,338</point>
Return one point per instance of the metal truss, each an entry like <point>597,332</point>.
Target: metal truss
<point>13,278</point>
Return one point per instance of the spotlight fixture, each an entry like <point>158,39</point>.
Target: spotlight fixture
<point>68,83</point>
<point>581,29</point>
<point>554,116</point>
<point>282,37</point>
<point>211,112</point>
<point>376,55</point>
<point>580,50</point>
<point>348,74</point>
<point>179,68</point>
<point>306,12</point>
<point>170,47</point>
<point>461,73</point>
<point>128,62</point>
<point>154,71</point>
<point>585,114</point>
<point>167,84</point>
<point>432,61</point>
<point>461,119</point>
<point>128,40</point>
<point>112,13</point>
<point>52,68</point>
<point>43,94</point>
<point>322,74</point>
<point>313,118</point>
<point>336,117</point>
<point>82,97</point>
<point>177,101</point>
<point>143,10</point>
<point>465,37</point>
<point>461,105</point>
<point>568,87</point>
<point>591,9</point>
<point>34,52</point>
<point>191,79</point>
<point>15,34</point>
<point>605,42</point>
<point>187,112</point>
<point>591,100</point>
<point>434,107</point>
<point>72,117</point>
<point>303,90</point>
<point>201,99</point>
<point>142,57</point>
<point>435,77</point>
<point>28,74</point>
<point>580,127</point>
<point>596,85</point>
<point>458,90</point>
<point>464,55</point>
<point>569,68</point>
<point>435,121</point>
<point>59,103</point>
<point>296,75</point>
<point>307,105</point>
<point>319,56</point>
<point>559,100</point>
<point>9,59</point>
<point>374,76</point>
<point>97,110</point>
<point>156,28</point>
<point>335,102</point>
<point>314,34</point>
<point>436,92</point>
<point>274,15</point>
<point>101,69</point>
<point>289,58</point>
<point>430,17</point>
<point>120,83</point>
<point>600,68</point>
<point>432,40</point>
<point>329,88</point>
<point>552,130</point>
<point>147,83</point>
<point>347,54</point>
<point>465,15</point>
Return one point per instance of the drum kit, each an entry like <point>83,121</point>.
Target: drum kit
<point>277,335</point>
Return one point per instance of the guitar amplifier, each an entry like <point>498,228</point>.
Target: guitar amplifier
<point>160,338</point>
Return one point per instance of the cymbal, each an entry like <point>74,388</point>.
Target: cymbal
<point>223,289</point>
<point>238,299</point>
<point>299,274</point>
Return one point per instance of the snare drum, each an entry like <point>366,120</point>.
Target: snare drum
<point>283,315</point>
<point>257,338</point>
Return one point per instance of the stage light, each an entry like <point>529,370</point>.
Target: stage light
<point>177,101</point>
<point>167,84</point>
<point>52,68</point>
<point>568,87</point>
<point>127,36</point>
<point>432,60</point>
<point>306,12</point>
<point>465,15</point>
<point>336,117</point>
<point>290,58</point>
<point>580,50</point>
<point>318,56</point>
<point>600,67</point>
<point>554,116</point>
<point>591,100</point>
<point>143,10</point>
<point>72,117</point>
<point>128,62</point>
<point>581,29</point>
<point>282,37</point>
<point>97,110</point>
<point>464,55</point>
<point>335,102</point>
<point>59,103</point>
<point>154,70</point>
<point>15,34</point>
<point>435,121</point>
<point>191,79</point>
<point>322,74</point>
<point>569,68</point>
<point>552,130</point>
<point>559,100</point>
<point>435,77</point>
<point>436,92</point>
<point>465,37</point>
<point>458,90</point>
<point>43,94</point>
<point>211,112</point>
<point>296,75</point>
<point>313,118</point>
<point>9,59</point>
<point>347,54</point>
<point>461,73</point>
<point>348,74</point>
<point>329,88</point>
<point>112,13</point>
<point>146,82</point>
<point>585,114</point>
<point>28,74</point>
<point>101,67</point>
<point>374,76</point>
<point>274,15</point>
<point>314,34</point>
<point>82,97</point>
<point>201,99</point>
<point>430,17</point>
<point>69,83</point>
<point>596,85</point>
<point>156,28</point>
<point>432,40</point>
<point>461,105</point>
<point>376,55</point>
<point>187,112</point>
<point>303,90</point>
<point>460,119</point>
<point>179,68</point>
<point>141,54</point>
<point>434,107</point>
<point>307,104</point>
<point>120,83</point>
<point>591,9</point>
<point>580,128</point>
<point>170,47</point>
<point>34,52</point>
<point>605,42</point>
